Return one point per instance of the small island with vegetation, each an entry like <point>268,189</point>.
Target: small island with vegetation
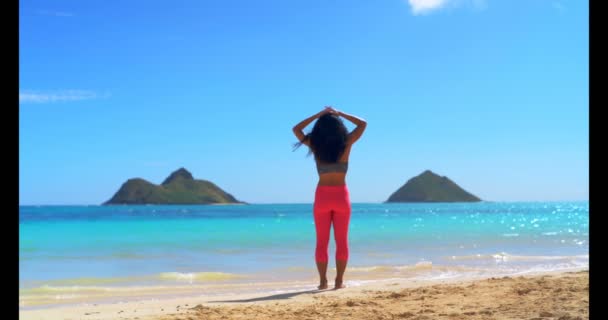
<point>179,188</point>
<point>430,187</point>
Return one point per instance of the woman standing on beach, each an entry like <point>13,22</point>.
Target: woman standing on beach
<point>330,142</point>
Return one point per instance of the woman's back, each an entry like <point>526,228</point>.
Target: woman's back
<point>332,174</point>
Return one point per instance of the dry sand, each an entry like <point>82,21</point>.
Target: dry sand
<point>563,296</point>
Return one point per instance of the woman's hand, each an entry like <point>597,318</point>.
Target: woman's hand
<point>331,110</point>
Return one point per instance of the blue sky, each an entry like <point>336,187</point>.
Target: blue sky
<point>492,94</point>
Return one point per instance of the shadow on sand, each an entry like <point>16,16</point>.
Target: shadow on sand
<point>281,296</point>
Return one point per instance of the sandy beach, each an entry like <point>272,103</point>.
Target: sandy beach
<point>561,296</point>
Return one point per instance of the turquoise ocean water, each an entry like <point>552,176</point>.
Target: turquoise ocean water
<point>71,254</point>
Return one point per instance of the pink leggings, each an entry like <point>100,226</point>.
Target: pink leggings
<point>332,205</point>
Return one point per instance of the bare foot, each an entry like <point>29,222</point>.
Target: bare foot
<point>323,285</point>
<point>339,285</point>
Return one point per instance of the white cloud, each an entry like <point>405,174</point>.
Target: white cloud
<point>58,96</point>
<point>55,13</point>
<point>426,6</point>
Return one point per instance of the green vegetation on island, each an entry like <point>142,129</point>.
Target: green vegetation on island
<point>179,188</point>
<point>430,187</point>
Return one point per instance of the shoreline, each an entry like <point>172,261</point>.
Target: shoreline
<point>162,286</point>
<point>543,294</point>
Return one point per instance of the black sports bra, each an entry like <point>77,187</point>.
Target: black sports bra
<point>332,167</point>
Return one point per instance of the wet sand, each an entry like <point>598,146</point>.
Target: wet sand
<point>563,296</point>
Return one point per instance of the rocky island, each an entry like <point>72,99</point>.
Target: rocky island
<point>179,188</point>
<point>430,187</point>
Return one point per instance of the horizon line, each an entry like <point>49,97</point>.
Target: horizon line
<point>282,203</point>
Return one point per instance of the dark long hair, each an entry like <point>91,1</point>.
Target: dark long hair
<point>327,138</point>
